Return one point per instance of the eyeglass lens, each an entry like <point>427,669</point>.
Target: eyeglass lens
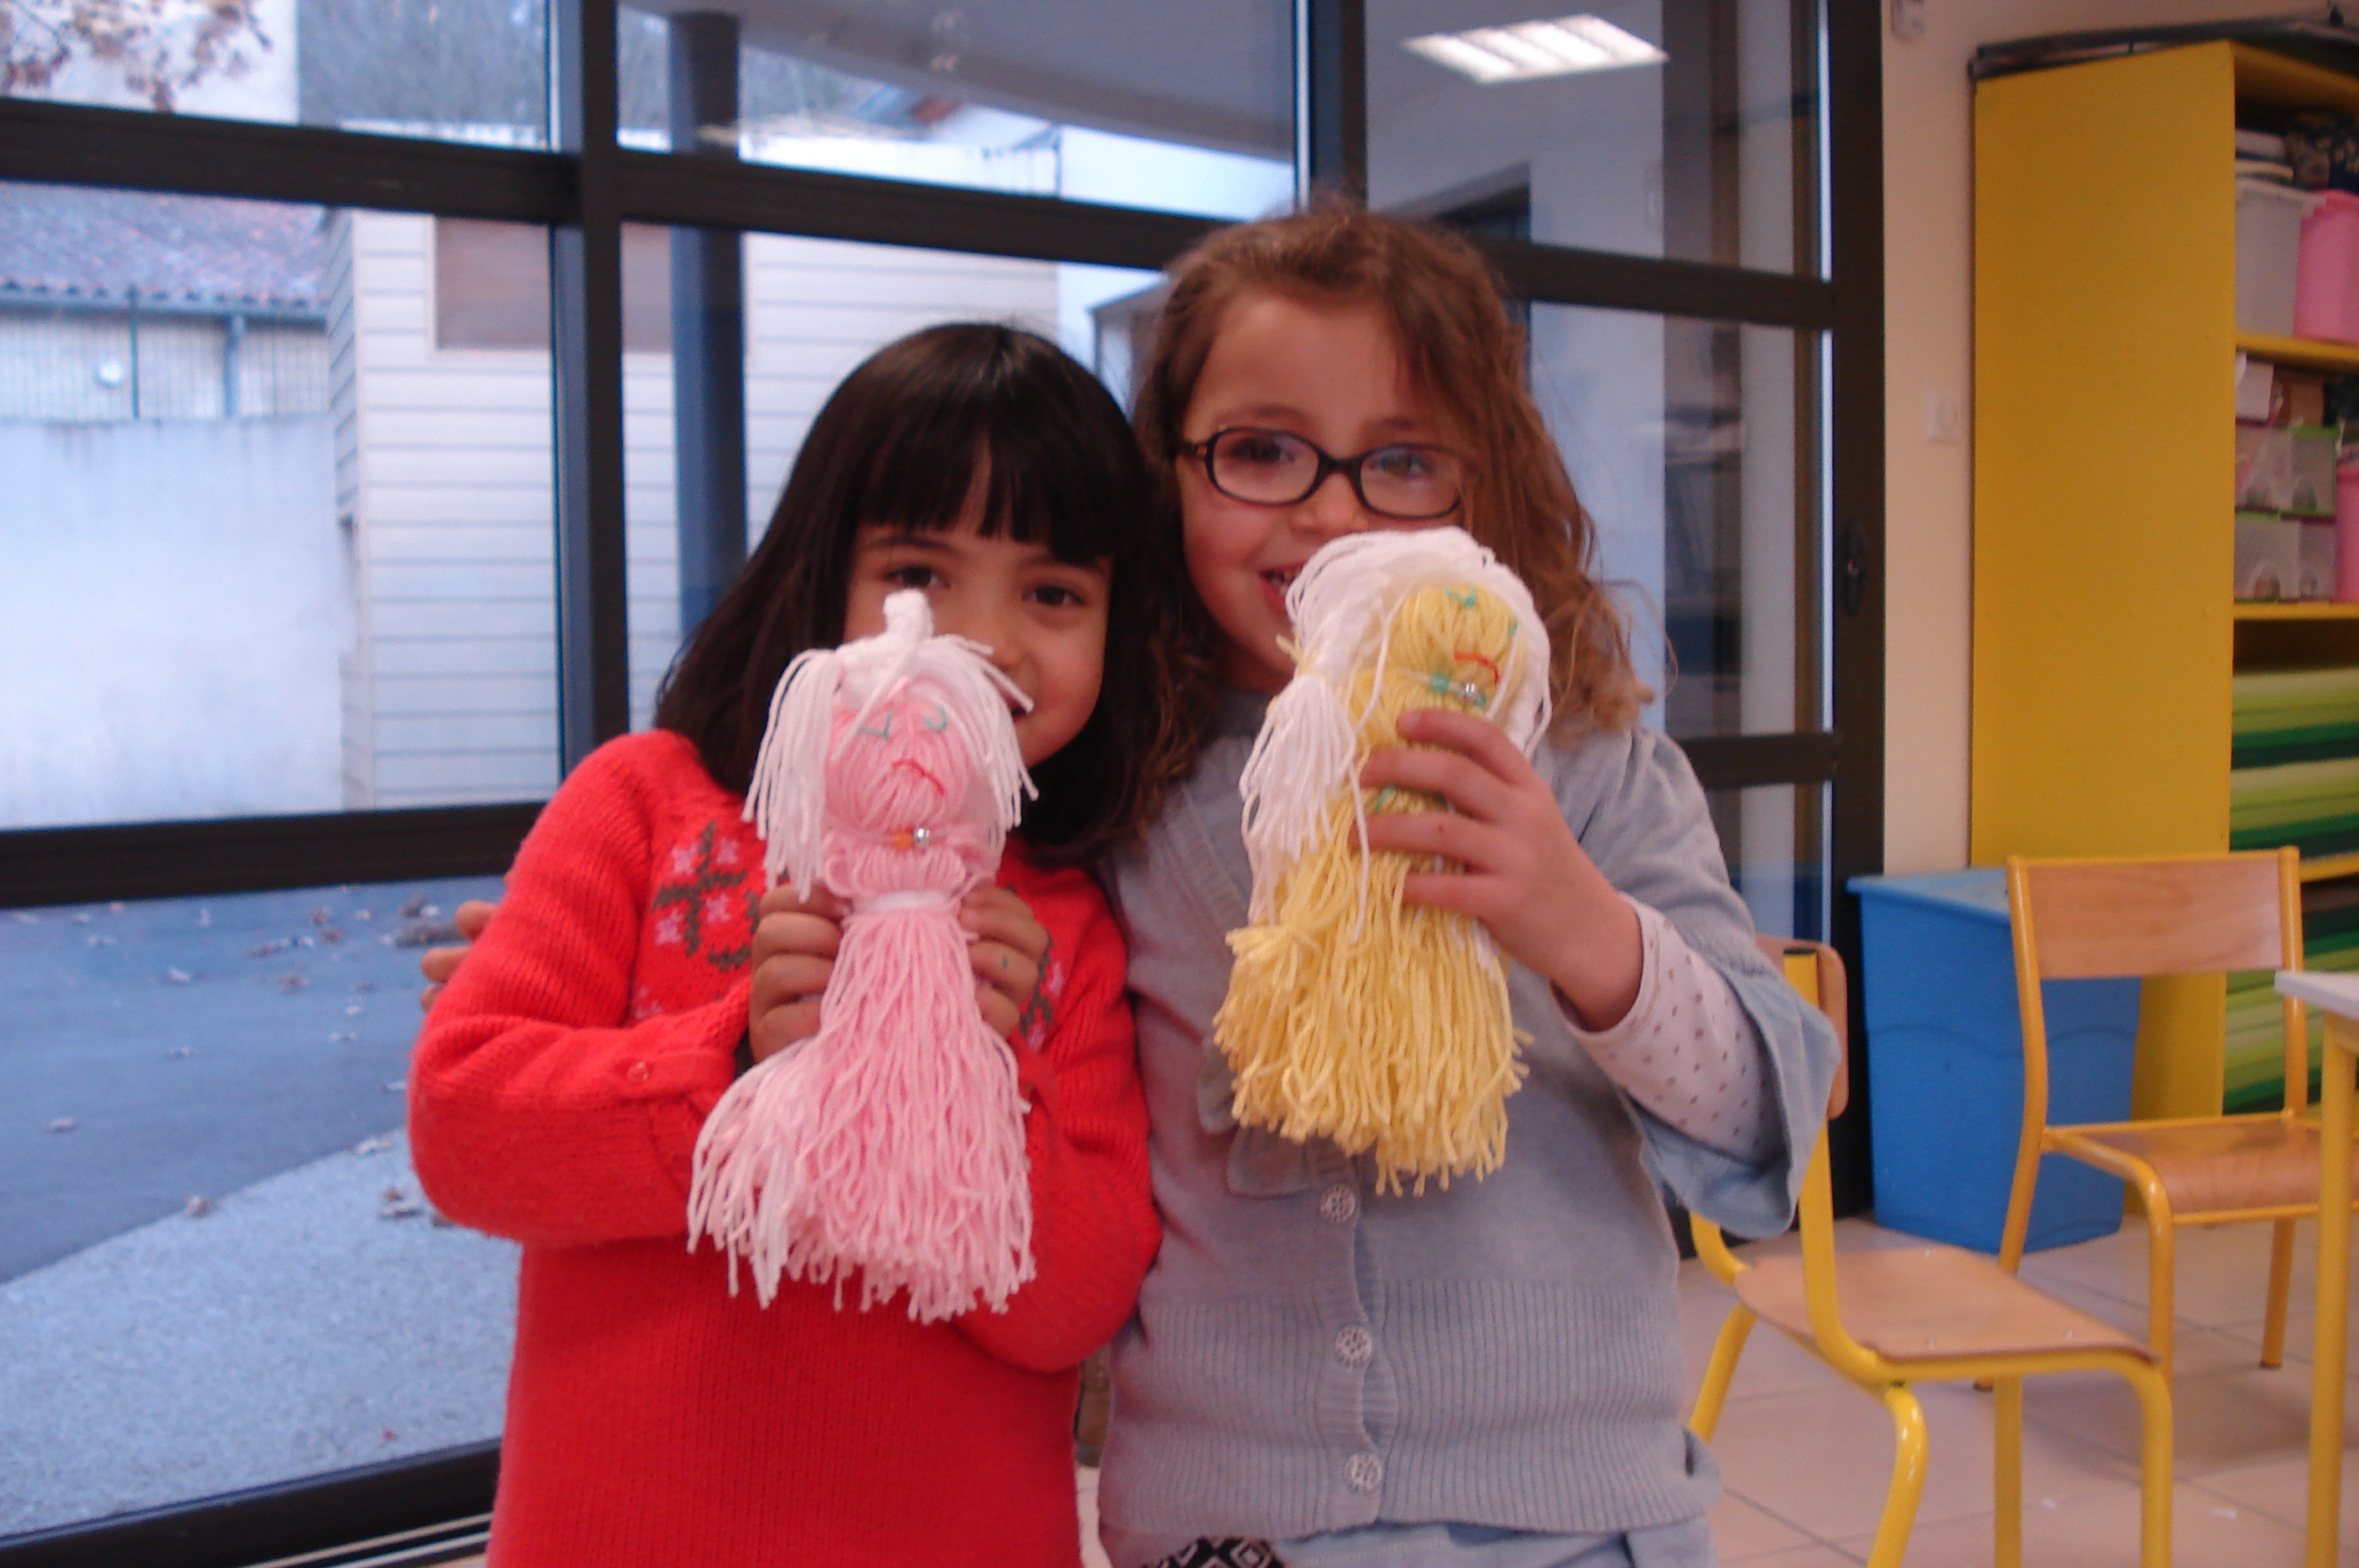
<point>1274,468</point>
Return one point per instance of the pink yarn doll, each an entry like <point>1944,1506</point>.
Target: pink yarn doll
<point>889,1143</point>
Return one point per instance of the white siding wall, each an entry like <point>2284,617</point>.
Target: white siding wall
<point>444,471</point>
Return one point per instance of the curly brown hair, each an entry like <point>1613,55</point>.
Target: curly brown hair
<point>1462,353</point>
<point>901,442</point>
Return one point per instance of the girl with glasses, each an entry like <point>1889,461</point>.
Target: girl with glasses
<point>1487,1374</point>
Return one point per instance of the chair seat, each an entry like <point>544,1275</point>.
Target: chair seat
<point>1930,1304</point>
<point>2255,1162</point>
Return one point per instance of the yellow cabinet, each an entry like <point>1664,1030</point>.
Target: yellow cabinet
<point>2106,342</point>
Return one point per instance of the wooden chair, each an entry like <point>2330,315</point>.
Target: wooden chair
<point>1885,1320</point>
<point>2173,915</point>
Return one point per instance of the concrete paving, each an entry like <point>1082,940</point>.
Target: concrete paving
<point>190,1047</point>
<point>306,1323</point>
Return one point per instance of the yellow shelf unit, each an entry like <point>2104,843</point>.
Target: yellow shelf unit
<point>2303,353</point>
<point>2299,612</point>
<point>2105,635</point>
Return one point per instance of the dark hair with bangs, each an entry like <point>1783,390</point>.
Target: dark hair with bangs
<point>901,443</point>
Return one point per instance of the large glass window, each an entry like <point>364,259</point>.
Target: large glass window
<point>278,538</point>
<point>1678,128</point>
<point>1774,838</point>
<point>1694,446</point>
<point>1180,108</point>
<point>813,310</point>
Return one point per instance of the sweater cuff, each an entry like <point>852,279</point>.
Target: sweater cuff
<point>1686,1050</point>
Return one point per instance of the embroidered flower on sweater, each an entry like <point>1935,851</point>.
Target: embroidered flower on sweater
<point>1039,1013</point>
<point>706,900</point>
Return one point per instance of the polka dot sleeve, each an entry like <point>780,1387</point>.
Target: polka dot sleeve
<point>1686,1050</point>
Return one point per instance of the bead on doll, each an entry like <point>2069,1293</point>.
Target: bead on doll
<point>889,1143</point>
<point>1380,1025</point>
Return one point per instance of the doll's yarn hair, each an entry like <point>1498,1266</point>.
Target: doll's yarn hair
<point>1380,1025</point>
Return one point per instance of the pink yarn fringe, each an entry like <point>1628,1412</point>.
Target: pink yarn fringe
<point>889,1144</point>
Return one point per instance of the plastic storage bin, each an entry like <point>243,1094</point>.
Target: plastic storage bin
<point>2326,297</point>
<point>1945,1065</point>
<point>2269,246</point>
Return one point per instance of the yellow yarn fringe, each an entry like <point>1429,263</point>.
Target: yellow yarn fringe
<point>1380,1025</point>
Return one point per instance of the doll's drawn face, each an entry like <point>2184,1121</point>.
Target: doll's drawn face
<point>900,768</point>
<point>1450,648</point>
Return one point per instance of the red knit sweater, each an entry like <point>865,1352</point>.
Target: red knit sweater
<point>653,1418</point>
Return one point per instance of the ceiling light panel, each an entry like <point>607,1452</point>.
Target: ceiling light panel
<point>1525,51</point>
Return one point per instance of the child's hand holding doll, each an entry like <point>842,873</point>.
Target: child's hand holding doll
<point>794,953</point>
<point>1520,870</point>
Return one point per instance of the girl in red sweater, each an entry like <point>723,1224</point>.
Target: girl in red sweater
<point>638,965</point>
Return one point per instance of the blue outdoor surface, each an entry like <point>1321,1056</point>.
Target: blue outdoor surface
<point>190,1047</point>
<point>1945,1065</point>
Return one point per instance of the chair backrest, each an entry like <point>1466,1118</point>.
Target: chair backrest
<point>2092,919</point>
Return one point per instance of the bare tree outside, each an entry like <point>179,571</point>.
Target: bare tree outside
<point>477,64</point>
<point>162,47</point>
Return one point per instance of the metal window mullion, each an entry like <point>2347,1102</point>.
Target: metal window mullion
<point>241,855</point>
<point>1752,761</point>
<point>1854,129</point>
<point>708,327</point>
<point>1331,110</point>
<point>586,340</point>
<point>138,149</point>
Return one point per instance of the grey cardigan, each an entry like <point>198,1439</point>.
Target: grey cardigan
<point>1309,1355</point>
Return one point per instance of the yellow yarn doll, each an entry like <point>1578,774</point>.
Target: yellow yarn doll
<point>1377,1025</point>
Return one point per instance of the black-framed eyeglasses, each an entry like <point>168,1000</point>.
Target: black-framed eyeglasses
<point>1278,468</point>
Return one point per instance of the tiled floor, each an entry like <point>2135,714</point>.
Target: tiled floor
<point>1806,1457</point>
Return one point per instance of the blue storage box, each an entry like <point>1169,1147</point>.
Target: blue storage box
<point>1945,1065</point>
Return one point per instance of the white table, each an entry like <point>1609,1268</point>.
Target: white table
<point>2337,997</point>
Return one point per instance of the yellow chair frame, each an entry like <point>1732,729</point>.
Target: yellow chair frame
<point>2122,916</point>
<point>1922,1314</point>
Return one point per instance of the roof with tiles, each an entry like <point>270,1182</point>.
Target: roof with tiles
<point>61,244</point>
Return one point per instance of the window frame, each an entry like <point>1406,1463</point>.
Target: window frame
<point>584,191</point>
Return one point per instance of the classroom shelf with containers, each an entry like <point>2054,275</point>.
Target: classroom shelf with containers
<point>2140,686</point>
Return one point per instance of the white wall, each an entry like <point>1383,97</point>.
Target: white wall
<point>169,620</point>
<point>1928,325</point>
<point>444,477</point>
